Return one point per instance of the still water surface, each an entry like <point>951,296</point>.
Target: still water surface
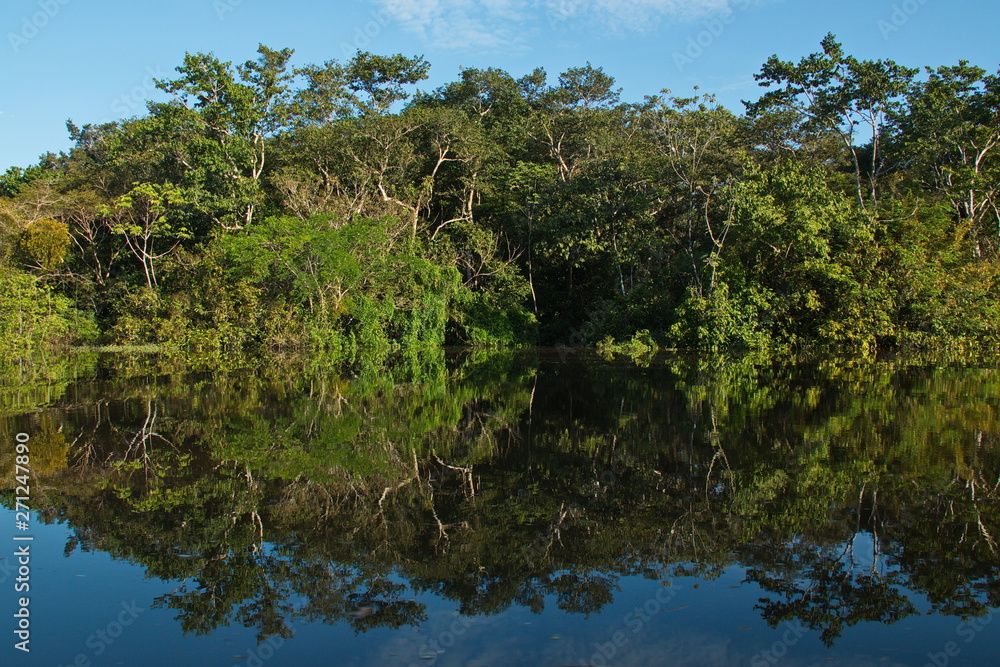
<point>541,508</point>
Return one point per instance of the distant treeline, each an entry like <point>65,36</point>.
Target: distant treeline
<point>328,208</point>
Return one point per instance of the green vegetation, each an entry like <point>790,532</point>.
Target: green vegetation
<point>328,208</point>
<point>500,479</point>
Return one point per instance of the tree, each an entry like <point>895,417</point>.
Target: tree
<point>380,79</point>
<point>218,124</point>
<point>948,136</point>
<point>838,93</point>
<point>45,243</point>
<point>368,84</point>
<point>586,87</point>
<point>694,145</point>
<point>143,216</point>
<point>799,265</point>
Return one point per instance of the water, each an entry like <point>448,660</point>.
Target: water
<point>534,508</point>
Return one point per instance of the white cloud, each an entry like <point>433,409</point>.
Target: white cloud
<point>506,24</point>
<point>416,15</point>
<point>644,14</point>
<point>459,24</point>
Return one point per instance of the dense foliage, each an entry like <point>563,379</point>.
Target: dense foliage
<point>501,480</point>
<point>855,204</point>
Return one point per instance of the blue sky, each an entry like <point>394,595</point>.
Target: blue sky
<point>94,60</point>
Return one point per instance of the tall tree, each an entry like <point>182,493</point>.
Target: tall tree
<point>834,92</point>
<point>218,123</point>
<point>949,135</point>
<point>143,216</point>
<point>694,150</point>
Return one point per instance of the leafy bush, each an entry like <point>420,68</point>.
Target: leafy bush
<point>34,320</point>
<point>289,283</point>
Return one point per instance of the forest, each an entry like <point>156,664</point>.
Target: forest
<point>339,209</point>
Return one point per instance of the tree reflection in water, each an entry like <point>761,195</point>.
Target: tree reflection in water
<point>847,491</point>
